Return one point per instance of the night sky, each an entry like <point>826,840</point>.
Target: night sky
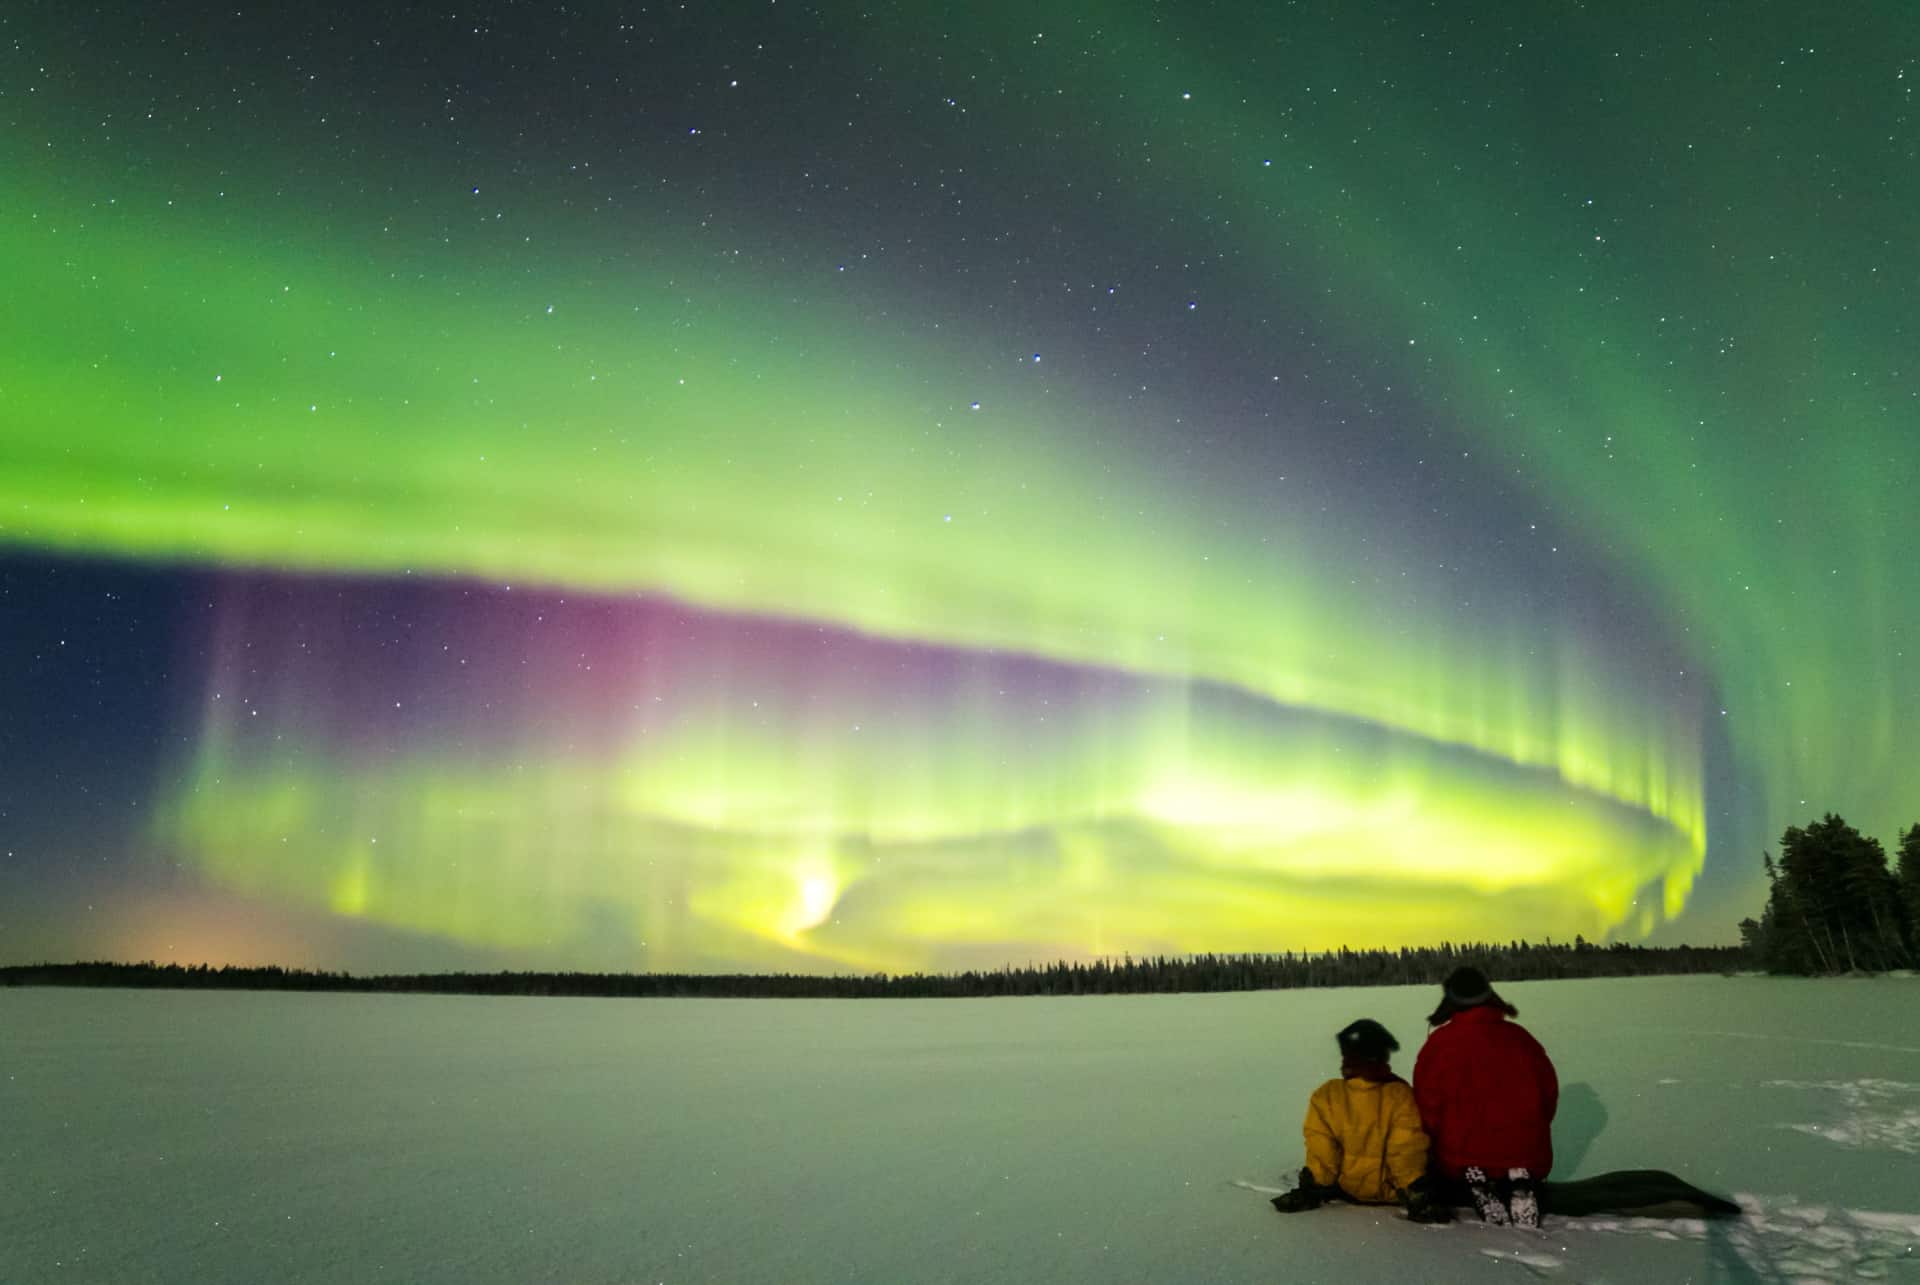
<point>927,486</point>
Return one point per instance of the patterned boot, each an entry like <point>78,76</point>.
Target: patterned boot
<point>1485,1199</point>
<point>1523,1200</point>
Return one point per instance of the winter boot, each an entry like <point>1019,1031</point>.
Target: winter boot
<point>1522,1199</point>
<point>1485,1199</point>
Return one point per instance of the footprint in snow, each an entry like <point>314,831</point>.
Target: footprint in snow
<point>1538,1264</point>
<point>1780,1238</point>
<point>1874,1115</point>
<point>1262,1189</point>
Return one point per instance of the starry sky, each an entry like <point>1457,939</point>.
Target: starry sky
<point>781,486</point>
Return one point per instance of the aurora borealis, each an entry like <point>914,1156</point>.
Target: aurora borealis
<point>923,488</point>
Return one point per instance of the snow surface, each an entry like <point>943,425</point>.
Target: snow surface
<point>180,1136</point>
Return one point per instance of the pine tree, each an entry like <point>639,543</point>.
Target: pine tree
<point>1872,901</point>
<point>1787,938</point>
<point>1834,906</point>
<point>1909,887</point>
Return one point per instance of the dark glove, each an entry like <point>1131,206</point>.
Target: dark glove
<point>1306,1194</point>
<point>1425,1209</point>
<point>1425,1204</point>
<point>1298,1201</point>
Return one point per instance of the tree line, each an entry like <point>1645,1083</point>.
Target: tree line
<point>1835,905</point>
<point>1509,962</point>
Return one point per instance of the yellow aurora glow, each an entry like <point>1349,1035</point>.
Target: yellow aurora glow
<point>809,826</point>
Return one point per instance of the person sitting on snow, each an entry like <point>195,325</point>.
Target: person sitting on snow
<point>1487,1093</point>
<point>1364,1139</point>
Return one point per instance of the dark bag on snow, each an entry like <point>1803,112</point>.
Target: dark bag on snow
<point>1639,1193</point>
<point>1636,1193</point>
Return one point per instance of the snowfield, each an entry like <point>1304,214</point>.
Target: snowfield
<point>180,1136</point>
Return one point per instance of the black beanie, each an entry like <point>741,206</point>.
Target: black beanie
<point>1367,1040</point>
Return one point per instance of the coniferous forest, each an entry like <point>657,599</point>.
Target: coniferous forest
<point>1835,905</point>
<point>1509,962</point>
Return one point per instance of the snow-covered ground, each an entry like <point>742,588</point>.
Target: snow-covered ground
<point>255,1137</point>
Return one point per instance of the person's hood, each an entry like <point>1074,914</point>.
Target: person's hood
<point>1480,1013</point>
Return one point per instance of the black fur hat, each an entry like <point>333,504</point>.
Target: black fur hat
<point>1367,1040</point>
<point>1467,987</point>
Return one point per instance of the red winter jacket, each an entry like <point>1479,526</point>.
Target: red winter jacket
<point>1487,1094</point>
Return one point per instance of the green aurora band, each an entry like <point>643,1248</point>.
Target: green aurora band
<point>540,451</point>
<point>1723,442</point>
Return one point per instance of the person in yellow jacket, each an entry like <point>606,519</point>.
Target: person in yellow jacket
<point>1364,1139</point>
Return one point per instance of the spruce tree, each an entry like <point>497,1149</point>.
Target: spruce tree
<point>1909,884</point>
<point>1787,940</point>
<point>1835,902</point>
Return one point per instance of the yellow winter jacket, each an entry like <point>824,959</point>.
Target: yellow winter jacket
<point>1366,1137</point>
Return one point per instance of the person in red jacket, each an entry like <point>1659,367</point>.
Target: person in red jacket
<point>1487,1093</point>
